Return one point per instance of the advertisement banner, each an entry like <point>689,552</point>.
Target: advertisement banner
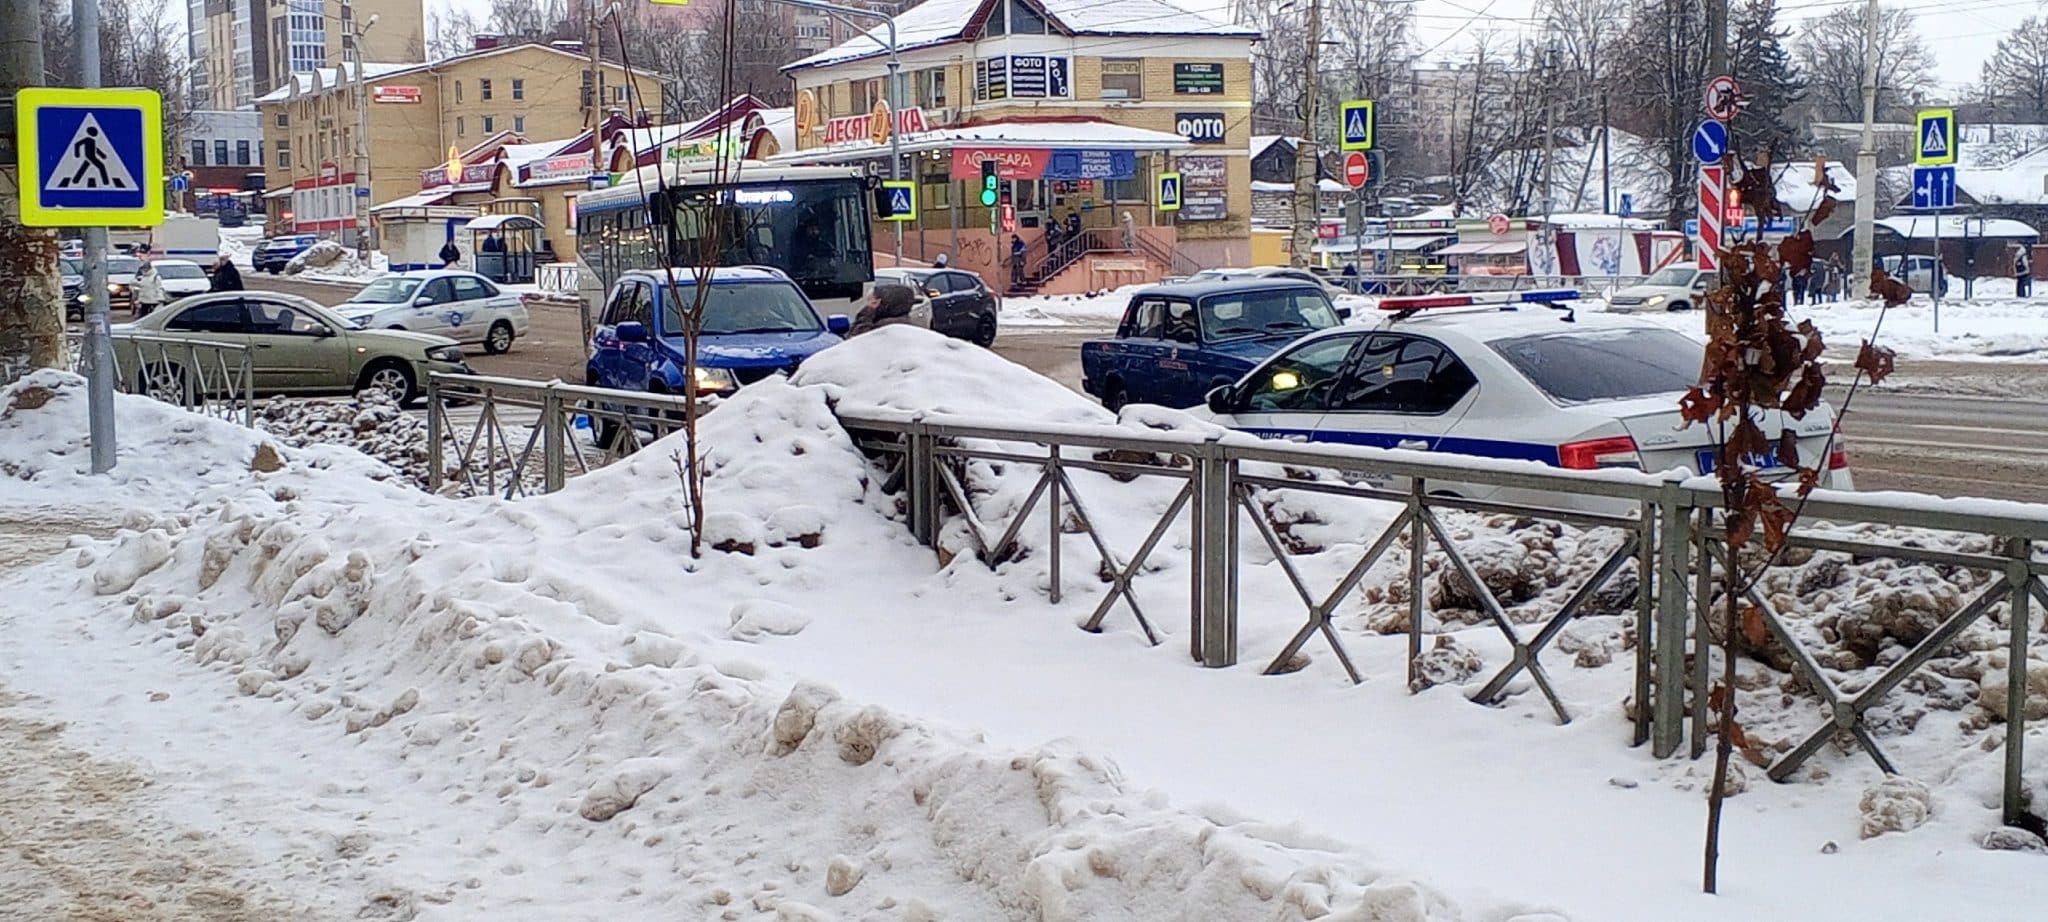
<point>574,166</point>
<point>1198,79</point>
<point>1019,163</point>
<point>395,94</point>
<point>1092,164</point>
<point>1205,188</point>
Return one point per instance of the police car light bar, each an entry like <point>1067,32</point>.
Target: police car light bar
<point>1427,302</point>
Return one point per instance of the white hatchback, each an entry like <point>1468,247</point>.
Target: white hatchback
<point>462,306</point>
<point>1525,384</point>
<point>181,278</point>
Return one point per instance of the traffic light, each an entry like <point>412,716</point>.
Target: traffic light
<point>988,184</point>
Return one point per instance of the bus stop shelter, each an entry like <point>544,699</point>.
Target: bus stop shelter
<point>505,246</point>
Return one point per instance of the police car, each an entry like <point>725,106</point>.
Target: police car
<point>462,306</point>
<point>1508,377</point>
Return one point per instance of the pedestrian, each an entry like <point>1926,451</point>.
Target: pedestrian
<point>149,289</point>
<point>939,263</point>
<point>1130,233</point>
<point>2022,274</point>
<point>492,244</point>
<point>450,255</point>
<point>1054,235</point>
<point>1073,225</point>
<point>1802,283</point>
<point>1016,262</point>
<point>888,306</point>
<point>225,276</point>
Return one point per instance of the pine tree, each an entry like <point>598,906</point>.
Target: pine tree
<point>1772,84</point>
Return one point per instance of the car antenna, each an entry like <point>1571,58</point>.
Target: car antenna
<point>1571,315</point>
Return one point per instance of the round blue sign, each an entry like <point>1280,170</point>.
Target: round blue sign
<point>1710,141</point>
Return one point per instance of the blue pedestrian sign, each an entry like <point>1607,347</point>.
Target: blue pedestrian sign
<point>90,157</point>
<point>901,196</point>
<point>1934,187</point>
<point>1169,192</point>
<point>1710,141</point>
<point>1356,124</point>
<point>1937,138</point>
<point>1628,204</point>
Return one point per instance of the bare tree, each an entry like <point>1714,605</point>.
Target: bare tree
<point>141,44</point>
<point>452,32</point>
<point>2015,81</point>
<point>1659,66</point>
<point>1277,69</point>
<point>1830,51</point>
<point>1586,33</point>
<point>1493,154</point>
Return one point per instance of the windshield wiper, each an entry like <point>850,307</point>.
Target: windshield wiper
<point>781,329</point>
<point>1287,325</point>
<point>1233,331</point>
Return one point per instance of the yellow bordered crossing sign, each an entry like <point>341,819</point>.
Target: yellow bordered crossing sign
<point>901,196</point>
<point>1936,138</point>
<point>90,158</point>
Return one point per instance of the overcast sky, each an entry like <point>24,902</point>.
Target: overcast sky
<point>1961,33</point>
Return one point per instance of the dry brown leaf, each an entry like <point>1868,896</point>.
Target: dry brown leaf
<point>1875,361</point>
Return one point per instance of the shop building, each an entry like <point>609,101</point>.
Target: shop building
<point>419,115</point>
<point>1079,105</point>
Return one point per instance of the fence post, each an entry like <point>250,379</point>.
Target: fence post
<point>923,484</point>
<point>1215,550</point>
<point>436,421</point>
<point>1667,634</point>
<point>2018,572</point>
<point>247,383</point>
<point>1647,585</point>
<point>552,432</point>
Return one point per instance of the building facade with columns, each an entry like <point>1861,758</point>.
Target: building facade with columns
<point>1081,105</point>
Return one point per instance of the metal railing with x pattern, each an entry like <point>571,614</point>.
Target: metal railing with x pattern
<point>216,379</point>
<point>525,437</point>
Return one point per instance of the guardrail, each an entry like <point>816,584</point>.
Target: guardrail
<point>213,378</point>
<point>493,458</point>
<point>1665,525</point>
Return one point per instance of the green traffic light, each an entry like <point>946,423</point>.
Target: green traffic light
<point>988,192</point>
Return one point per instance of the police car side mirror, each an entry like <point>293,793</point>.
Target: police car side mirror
<point>1220,399</point>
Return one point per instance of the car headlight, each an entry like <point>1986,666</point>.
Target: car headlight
<point>715,380</point>
<point>117,288</point>
<point>451,354</point>
<point>1655,299</point>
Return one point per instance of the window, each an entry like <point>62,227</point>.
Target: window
<point>241,153</point>
<point>1301,380</point>
<point>220,153</point>
<point>1123,78</point>
<point>617,308</point>
<point>1403,374</point>
<point>458,91</point>
<point>1260,312</point>
<point>518,88</point>
<point>640,308</point>
<point>275,318</point>
<point>1024,20</point>
<point>490,124</point>
<point>224,316</point>
<point>1581,367</point>
<point>619,93</point>
<point>469,289</point>
<point>198,154</point>
<point>283,120</point>
<point>461,130</point>
<point>438,291</point>
<point>519,123</point>
<point>483,88</point>
<point>747,307</point>
<point>928,88</point>
<point>1147,320</point>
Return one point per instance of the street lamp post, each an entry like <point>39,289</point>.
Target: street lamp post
<point>362,184</point>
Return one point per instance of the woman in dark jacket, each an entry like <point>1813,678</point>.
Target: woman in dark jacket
<point>225,276</point>
<point>890,304</point>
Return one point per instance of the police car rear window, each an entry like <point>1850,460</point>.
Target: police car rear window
<point>1588,366</point>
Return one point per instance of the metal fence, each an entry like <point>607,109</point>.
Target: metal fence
<point>1666,527</point>
<point>213,378</point>
<point>526,435</point>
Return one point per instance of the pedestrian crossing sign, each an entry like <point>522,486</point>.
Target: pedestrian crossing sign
<point>1937,137</point>
<point>901,194</point>
<point>1357,124</point>
<point>90,158</point>
<point>1169,192</point>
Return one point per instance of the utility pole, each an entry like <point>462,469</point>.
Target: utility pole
<point>32,310</point>
<point>1307,166</point>
<point>362,190</point>
<point>99,347</point>
<point>1866,161</point>
<point>1549,235</point>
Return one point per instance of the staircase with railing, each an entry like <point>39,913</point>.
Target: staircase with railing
<point>1045,258</point>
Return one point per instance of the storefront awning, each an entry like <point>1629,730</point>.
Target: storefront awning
<point>417,199</point>
<point>278,193</point>
<point>493,222</point>
<point>1485,248</point>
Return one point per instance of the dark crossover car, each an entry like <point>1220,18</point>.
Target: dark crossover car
<point>1178,342</point>
<point>952,302</point>
<point>756,322</point>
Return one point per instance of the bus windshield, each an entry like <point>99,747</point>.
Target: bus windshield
<point>816,232</point>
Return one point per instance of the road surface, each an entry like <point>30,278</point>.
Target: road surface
<point>1948,428</point>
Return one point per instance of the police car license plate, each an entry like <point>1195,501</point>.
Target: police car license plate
<point>1762,461</point>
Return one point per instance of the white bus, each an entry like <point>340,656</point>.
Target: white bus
<point>810,222</point>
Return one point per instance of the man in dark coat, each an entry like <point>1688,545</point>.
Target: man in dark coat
<point>225,276</point>
<point>450,255</point>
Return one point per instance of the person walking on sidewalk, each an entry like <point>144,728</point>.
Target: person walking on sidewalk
<point>149,289</point>
<point>1016,262</point>
<point>2022,274</point>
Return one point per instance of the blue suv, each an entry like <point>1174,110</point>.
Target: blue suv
<point>756,323</point>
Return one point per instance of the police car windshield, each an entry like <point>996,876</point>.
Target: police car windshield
<point>1251,313</point>
<point>743,307</point>
<point>1593,365</point>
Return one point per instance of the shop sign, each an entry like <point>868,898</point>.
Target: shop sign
<point>473,173</point>
<point>1205,188</point>
<point>1012,163</point>
<point>853,128</point>
<point>1034,76</point>
<point>395,94</point>
<point>575,166</point>
<point>1198,79</point>
<point>1200,127</point>
<point>329,172</point>
<point>1091,164</point>
<point>992,79</point>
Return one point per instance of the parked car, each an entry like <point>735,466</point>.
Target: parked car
<point>1918,272</point>
<point>1177,342</point>
<point>274,254</point>
<point>954,302</point>
<point>1330,288</point>
<point>72,275</point>
<point>1672,288</point>
<point>463,306</point>
<point>1600,392</point>
<point>756,322</point>
<point>296,346</point>
<point>121,282</point>
<point>182,278</point>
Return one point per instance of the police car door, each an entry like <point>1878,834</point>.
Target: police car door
<point>1400,391</point>
<point>1286,398</point>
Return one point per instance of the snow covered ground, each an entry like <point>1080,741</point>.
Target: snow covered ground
<point>239,243</point>
<point>406,705</point>
<point>1101,309</point>
<point>1994,326</point>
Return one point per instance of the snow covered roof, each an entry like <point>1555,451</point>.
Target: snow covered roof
<point>936,22</point>
<point>330,77</point>
<point>417,199</point>
<point>1922,227</point>
<point>1326,185</point>
<point>1262,141</point>
<point>1575,221</point>
<point>1797,191</point>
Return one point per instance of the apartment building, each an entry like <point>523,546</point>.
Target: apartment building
<point>244,49</point>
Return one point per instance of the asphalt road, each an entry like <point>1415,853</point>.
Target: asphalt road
<point>1947,428</point>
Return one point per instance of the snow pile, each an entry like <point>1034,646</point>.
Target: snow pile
<point>238,244</point>
<point>551,687</point>
<point>1095,309</point>
<point>328,260</point>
